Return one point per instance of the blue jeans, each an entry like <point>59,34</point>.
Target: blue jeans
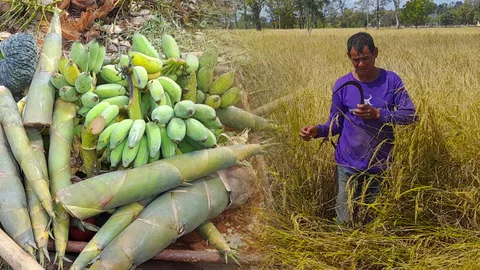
<point>351,188</point>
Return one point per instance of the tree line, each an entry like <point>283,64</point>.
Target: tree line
<point>289,14</point>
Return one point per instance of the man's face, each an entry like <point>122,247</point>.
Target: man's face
<point>364,60</point>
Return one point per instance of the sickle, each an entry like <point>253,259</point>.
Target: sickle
<point>356,84</point>
<point>362,99</point>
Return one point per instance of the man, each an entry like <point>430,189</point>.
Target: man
<point>366,132</point>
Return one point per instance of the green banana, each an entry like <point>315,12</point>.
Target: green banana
<point>151,64</point>
<point>68,93</point>
<point>156,157</point>
<point>168,147</point>
<point>110,113</point>
<point>213,124</point>
<point>170,46</point>
<point>195,130</point>
<point>58,81</point>
<point>213,101</point>
<point>183,80</point>
<point>71,72</point>
<point>171,88</point>
<point>104,137</point>
<point>166,100</point>
<point>143,154</point>
<point>192,63</point>
<point>84,82</point>
<point>110,74</point>
<point>77,130</point>
<point>141,44</point>
<point>139,76</point>
<point>205,78</point>
<point>136,132</point>
<point>61,64</point>
<point>94,49</point>
<point>154,138</point>
<point>120,133</point>
<point>190,89</point>
<point>76,51</point>
<point>200,96</point>
<point>231,97</point>
<point>156,90</point>
<point>95,111</point>
<point>116,153</point>
<point>129,153</point>
<point>90,99</point>
<point>204,113</point>
<point>83,111</point>
<point>176,129</point>
<point>186,147</point>
<point>211,141</point>
<point>102,51</point>
<point>172,76</point>
<point>208,58</point>
<point>222,83</point>
<point>118,100</point>
<point>84,59</point>
<point>184,109</point>
<point>110,90</point>
<point>124,61</point>
<point>162,114</point>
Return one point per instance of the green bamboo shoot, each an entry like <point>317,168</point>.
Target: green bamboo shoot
<point>39,105</point>
<point>239,119</point>
<point>90,135</point>
<point>22,150</point>
<point>13,202</point>
<point>103,192</point>
<point>170,216</point>
<point>61,139</point>
<point>40,219</point>
<point>121,219</point>
<point>214,238</point>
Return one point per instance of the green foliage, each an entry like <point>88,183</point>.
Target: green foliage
<point>416,12</point>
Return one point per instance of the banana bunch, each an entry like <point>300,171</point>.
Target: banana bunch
<point>89,57</point>
<point>187,124</point>
<point>218,92</point>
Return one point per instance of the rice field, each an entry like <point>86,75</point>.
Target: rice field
<point>427,216</point>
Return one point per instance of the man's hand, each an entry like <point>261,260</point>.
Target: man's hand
<point>367,112</point>
<point>308,132</point>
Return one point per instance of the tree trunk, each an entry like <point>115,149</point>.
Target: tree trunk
<point>256,15</point>
<point>378,14</point>
<point>245,25</point>
<point>397,20</point>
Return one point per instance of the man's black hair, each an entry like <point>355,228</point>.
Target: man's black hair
<point>359,41</point>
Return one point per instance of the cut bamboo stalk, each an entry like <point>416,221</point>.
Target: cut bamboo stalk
<point>61,138</point>
<point>22,150</point>
<point>15,256</point>
<point>89,145</point>
<point>41,94</point>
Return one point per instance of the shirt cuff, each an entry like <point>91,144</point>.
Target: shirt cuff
<point>384,116</point>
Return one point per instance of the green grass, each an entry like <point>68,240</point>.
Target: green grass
<point>427,216</point>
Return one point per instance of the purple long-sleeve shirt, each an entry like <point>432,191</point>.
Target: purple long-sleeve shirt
<point>365,145</point>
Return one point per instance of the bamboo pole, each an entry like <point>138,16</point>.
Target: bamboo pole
<point>15,256</point>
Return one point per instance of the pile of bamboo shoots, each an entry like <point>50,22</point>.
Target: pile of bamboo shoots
<point>148,127</point>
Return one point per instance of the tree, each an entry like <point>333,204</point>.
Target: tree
<point>396,4</point>
<point>416,12</point>
<point>256,6</point>
<point>365,6</point>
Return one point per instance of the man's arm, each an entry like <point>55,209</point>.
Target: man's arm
<point>335,120</point>
<point>405,112</point>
